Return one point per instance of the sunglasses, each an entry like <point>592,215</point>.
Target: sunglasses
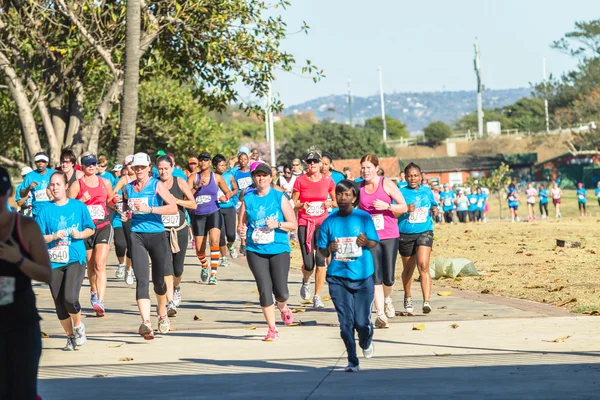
<point>312,161</point>
<point>193,163</point>
<point>90,165</point>
<point>204,159</point>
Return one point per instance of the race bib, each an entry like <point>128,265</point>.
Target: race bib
<point>347,249</point>
<point>315,208</point>
<point>511,198</point>
<point>473,200</point>
<point>243,183</point>
<point>480,204</point>
<point>96,211</point>
<point>447,202</point>
<point>170,221</point>
<point>419,215</point>
<point>7,290</point>
<point>133,204</point>
<point>41,195</point>
<point>581,197</point>
<point>531,199</point>
<point>202,200</point>
<point>378,221</point>
<point>59,254</point>
<point>263,235</point>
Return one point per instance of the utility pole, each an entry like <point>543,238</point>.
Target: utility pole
<point>349,102</point>
<point>480,88</point>
<point>382,105</point>
<point>545,95</point>
<point>269,126</point>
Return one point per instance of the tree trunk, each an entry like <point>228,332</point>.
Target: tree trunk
<point>75,111</point>
<point>132,75</point>
<point>58,115</point>
<point>18,94</point>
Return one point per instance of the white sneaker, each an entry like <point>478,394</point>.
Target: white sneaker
<point>164,325</point>
<point>368,352</point>
<point>426,307</point>
<point>381,321</point>
<point>351,368</point>
<point>177,296</point>
<point>317,302</point>
<point>224,262</point>
<point>233,252</point>
<point>79,332</point>
<point>129,277</point>
<point>388,308</point>
<point>408,305</point>
<point>120,272</point>
<point>305,291</point>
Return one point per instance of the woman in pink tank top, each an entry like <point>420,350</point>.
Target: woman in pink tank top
<point>377,197</point>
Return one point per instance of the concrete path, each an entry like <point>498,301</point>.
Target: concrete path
<point>500,355</point>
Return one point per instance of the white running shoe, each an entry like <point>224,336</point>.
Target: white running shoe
<point>120,272</point>
<point>408,305</point>
<point>381,321</point>
<point>79,332</point>
<point>164,325</point>
<point>177,296</point>
<point>351,368</point>
<point>368,352</point>
<point>129,277</point>
<point>426,307</point>
<point>224,262</point>
<point>305,291</point>
<point>233,252</point>
<point>388,308</point>
<point>93,298</point>
<point>317,302</point>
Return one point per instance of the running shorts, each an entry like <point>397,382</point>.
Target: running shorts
<point>103,235</point>
<point>202,224</point>
<point>409,243</point>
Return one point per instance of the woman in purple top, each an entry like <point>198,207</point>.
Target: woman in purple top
<point>382,199</point>
<point>208,190</point>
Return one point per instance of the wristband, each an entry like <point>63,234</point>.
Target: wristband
<point>20,262</point>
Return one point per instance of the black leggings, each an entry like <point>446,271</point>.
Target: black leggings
<point>175,267</point>
<point>157,247</point>
<point>582,207</point>
<point>228,216</point>
<point>65,285</point>
<point>120,242</point>
<point>462,216</point>
<point>20,351</point>
<point>384,261</point>
<point>127,233</point>
<point>544,209</point>
<point>314,257</point>
<point>271,274</point>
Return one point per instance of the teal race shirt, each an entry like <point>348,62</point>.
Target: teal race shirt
<point>350,261</point>
<point>39,195</point>
<point>447,200</point>
<point>543,196</point>
<point>418,221</point>
<point>73,216</point>
<point>145,222</point>
<point>260,238</point>
<point>581,193</point>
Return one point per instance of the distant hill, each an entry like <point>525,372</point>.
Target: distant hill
<point>416,110</point>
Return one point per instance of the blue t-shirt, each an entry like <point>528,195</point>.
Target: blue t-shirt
<point>350,261</point>
<point>597,192</point>
<point>543,196</point>
<point>39,194</point>
<point>145,222</point>
<point>418,221</point>
<point>581,193</point>
<point>52,218</point>
<point>337,176</point>
<point>462,204</point>
<point>481,199</point>
<point>231,202</point>
<point>109,177</point>
<point>402,184</point>
<point>359,179</point>
<point>447,200</point>
<point>261,239</point>
<point>18,197</point>
<point>512,200</point>
<point>473,201</point>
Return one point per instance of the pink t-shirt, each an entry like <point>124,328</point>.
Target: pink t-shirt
<point>531,193</point>
<point>315,194</point>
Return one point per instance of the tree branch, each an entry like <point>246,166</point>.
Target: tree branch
<point>11,163</point>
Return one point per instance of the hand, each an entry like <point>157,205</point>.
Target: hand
<point>328,204</point>
<point>85,197</point>
<point>410,208</point>
<point>242,230</point>
<point>75,234</point>
<point>381,205</point>
<point>125,216</point>
<point>333,247</point>
<point>32,185</point>
<point>141,207</point>
<point>272,223</point>
<point>117,198</point>
<point>10,251</point>
<point>223,199</point>
<point>361,240</point>
<point>60,235</point>
<point>435,211</point>
<point>50,196</point>
<point>305,206</point>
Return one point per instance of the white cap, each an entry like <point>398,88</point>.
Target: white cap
<point>128,159</point>
<point>41,156</point>
<point>118,168</point>
<point>141,160</point>
<point>26,170</point>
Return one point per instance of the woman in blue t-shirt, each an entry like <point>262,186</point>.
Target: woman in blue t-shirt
<point>348,235</point>
<point>266,217</point>
<point>513,202</point>
<point>66,224</point>
<point>416,235</point>
<point>543,194</point>
<point>581,199</point>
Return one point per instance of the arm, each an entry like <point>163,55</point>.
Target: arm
<point>192,181</point>
<point>86,233</point>
<point>296,199</point>
<point>120,184</point>
<point>290,224</point>
<point>392,190</point>
<point>189,203</point>
<point>109,189</point>
<point>333,201</point>
<point>26,189</point>
<point>242,227</point>
<point>235,187</point>
<point>170,206</point>
<point>223,186</point>
<point>37,267</point>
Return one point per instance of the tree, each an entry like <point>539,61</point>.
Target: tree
<point>526,114</point>
<point>496,183</point>
<point>469,121</point>
<point>437,132</point>
<point>395,128</point>
<point>342,141</point>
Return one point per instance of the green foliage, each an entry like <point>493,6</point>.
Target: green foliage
<point>395,128</point>
<point>342,141</point>
<point>437,132</point>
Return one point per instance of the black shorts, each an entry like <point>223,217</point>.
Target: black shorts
<point>409,243</point>
<point>202,224</point>
<point>103,235</point>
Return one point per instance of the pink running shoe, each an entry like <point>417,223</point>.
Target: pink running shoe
<point>287,316</point>
<point>272,335</point>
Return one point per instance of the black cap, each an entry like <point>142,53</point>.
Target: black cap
<point>313,155</point>
<point>5,184</point>
<point>204,154</point>
<point>264,168</point>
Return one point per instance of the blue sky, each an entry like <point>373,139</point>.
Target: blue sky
<point>426,45</point>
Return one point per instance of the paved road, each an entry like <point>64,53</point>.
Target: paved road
<point>498,356</point>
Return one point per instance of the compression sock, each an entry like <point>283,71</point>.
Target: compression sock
<point>215,254</point>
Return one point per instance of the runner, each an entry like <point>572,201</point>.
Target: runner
<point>556,195</point>
<point>473,204</point>
<point>513,203</point>
<point>102,172</point>
<point>24,203</point>
<point>597,192</point>
<point>581,199</point>
<point>206,218</point>
<point>127,176</point>
<point>265,218</point>
<point>462,206</point>
<point>349,235</point>
<point>543,193</point>
<point>243,180</point>
<point>310,196</point>
<point>416,236</point>
<point>95,192</point>
<point>68,161</point>
<point>327,169</point>
<point>116,172</point>
<point>37,181</point>
<point>227,211</point>
<point>23,257</point>
<point>145,197</point>
<point>382,200</point>
<point>175,230</point>
<point>530,192</point>
<point>66,224</point>
<point>481,203</point>
<point>447,199</point>
<point>402,180</point>
<point>192,167</point>
<point>297,167</point>
<point>287,180</point>
<point>119,236</point>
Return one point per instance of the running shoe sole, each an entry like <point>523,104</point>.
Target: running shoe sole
<point>172,312</point>
<point>146,332</point>
<point>380,323</point>
<point>426,309</point>
<point>352,368</point>
<point>99,310</point>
